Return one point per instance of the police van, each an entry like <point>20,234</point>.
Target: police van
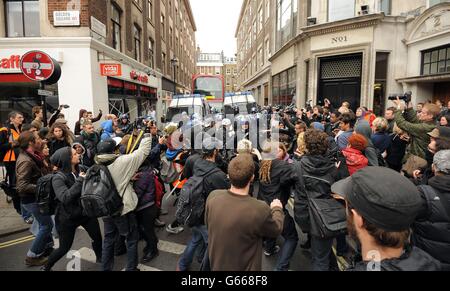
<point>191,106</point>
<point>242,103</point>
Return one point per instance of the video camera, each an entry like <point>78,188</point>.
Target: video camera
<point>405,97</point>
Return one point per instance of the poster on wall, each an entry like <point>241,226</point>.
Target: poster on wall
<point>340,9</point>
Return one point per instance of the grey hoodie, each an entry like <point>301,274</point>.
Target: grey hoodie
<point>363,128</point>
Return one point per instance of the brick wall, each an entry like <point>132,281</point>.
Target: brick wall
<point>96,8</point>
<point>64,5</point>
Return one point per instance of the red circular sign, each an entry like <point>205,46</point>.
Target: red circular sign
<point>37,66</point>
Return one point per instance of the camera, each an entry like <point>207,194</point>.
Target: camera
<point>405,97</point>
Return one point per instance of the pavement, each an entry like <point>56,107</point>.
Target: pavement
<point>10,221</point>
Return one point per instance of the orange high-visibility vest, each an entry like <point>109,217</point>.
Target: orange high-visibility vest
<point>10,155</point>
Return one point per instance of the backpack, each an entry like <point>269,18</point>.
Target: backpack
<point>191,202</point>
<point>45,195</point>
<point>99,196</point>
<point>169,173</point>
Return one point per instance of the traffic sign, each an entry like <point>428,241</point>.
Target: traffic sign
<point>37,66</point>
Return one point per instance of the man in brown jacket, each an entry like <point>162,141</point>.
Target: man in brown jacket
<point>238,222</point>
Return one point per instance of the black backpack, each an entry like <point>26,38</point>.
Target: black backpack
<point>45,195</point>
<point>191,202</point>
<point>99,196</point>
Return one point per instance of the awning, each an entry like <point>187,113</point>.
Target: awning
<point>426,79</point>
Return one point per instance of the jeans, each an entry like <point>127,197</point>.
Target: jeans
<point>25,214</point>
<point>199,235</point>
<point>44,239</point>
<point>67,232</point>
<point>290,243</point>
<point>323,258</point>
<point>114,227</point>
<point>146,221</point>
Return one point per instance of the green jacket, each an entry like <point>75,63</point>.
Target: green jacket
<point>417,130</point>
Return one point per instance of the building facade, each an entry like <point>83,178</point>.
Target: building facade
<point>119,56</point>
<point>359,51</point>
<point>230,73</point>
<point>255,45</point>
<point>209,63</point>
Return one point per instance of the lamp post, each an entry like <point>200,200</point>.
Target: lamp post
<point>174,63</point>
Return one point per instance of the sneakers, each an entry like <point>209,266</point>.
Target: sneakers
<point>174,230</point>
<point>36,262</point>
<point>159,223</point>
<point>29,220</point>
<point>275,250</point>
<point>150,256</point>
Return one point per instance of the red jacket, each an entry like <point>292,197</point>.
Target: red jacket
<point>355,160</point>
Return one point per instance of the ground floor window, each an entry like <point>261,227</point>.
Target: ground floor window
<point>284,87</point>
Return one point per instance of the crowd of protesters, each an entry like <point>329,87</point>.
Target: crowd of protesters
<point>391,174</point>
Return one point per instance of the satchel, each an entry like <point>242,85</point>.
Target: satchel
<point>328,217</point>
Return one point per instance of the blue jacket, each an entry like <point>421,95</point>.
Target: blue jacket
<point>342,139</point>
<point>381,141</point>
<point>107,130</point>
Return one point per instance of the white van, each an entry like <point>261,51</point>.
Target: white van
<point>243,101</point>
<point>192,105</point>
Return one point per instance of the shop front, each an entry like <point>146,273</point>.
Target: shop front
<point>19,93</point>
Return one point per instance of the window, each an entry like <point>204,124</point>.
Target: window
<point>150,10</point>
<point>436,61</point>
<point>254,30</point>
<point>228,71</point>
<point>22,18</point>
<point>340,9</point>
<point>435,2</point>
<point>163,27</point>
<point>286,23</point>
<point>261,56</point>
<point>255,64</point>
<point>385,6</point>
<point>267,9</point>
<point>260,19</point>
<point>267,48</point>
<point>284,87</point>
<point>151,52</point>
<point>137,42</point>
<point>116,33</point>
<point>163,63</point>
<point>170,36</point>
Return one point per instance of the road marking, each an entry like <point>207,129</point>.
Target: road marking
<point>145,268</point>
<point>16,241</point>
<point>170,247</point>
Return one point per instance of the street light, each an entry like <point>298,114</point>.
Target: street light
<point>174,63</point>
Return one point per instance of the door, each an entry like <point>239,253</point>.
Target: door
<point>340,80</point>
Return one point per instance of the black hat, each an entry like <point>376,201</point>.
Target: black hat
<point>382,196</point>
<point>106,147</point>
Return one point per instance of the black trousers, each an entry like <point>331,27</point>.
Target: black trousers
<point>67,230</point>
<point>11,175</point>
<point>146,221</point>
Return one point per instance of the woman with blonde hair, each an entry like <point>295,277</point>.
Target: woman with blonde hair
<point>380,137</point>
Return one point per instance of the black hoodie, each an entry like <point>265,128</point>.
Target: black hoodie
<point>321,167</point>
<point>431,232</point>
<point>67,187</point>
<point>214,178</point>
